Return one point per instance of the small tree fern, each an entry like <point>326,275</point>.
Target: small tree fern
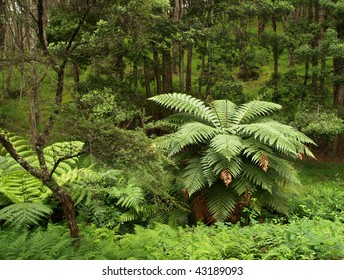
<point>235,155</point>
<point>23,196</point>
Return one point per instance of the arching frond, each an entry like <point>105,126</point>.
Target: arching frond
<point>223,110</point>
<point>193,177</point>
<point>188,104</point>
<point>221,202</point>
<point>189,134</point>
<point>268,134</point>
<point>183,118</point>
<point>227,145</point>
<point>249,111</point>
<point>23,214</point>
<point>130,196</point>
<point>257,176</point>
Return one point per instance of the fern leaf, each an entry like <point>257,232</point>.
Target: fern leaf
<point>223,110</point>
<point>227,145</point>
<point>251,110</point>
<point>24,214</point>
<point>268,134</point>
<point>193,177</point>
<point>221,202</point>
<point>190,134</point>
<point>188,104</point>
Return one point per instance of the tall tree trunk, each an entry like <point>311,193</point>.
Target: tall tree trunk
<point>157,71</point>
<point>2,27</point>
<point>261,22</point>
<point>146,70</point>
<point>175,17</point>
<point>181,68</point>
<point>76,73</point>
<point>338,86</point>
<point>188,81</point>
<point>166,72</point>
<point>7,82</point>
<point>315,45</point>
<point>201,75</point>
<point>305,80</point>
<point>33,104</point>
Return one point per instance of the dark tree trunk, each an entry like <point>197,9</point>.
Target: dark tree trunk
<point>305,80</point>
<point>338,71</point>
<point>338,87</point>
<point>146,70</point>
<point>2,27</point>
<point>181,68</point>
<point>76,73</point>
<point>157,71</point>
<point>167,72</point>
<point>188,81</point>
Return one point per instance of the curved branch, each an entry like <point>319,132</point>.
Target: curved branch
<point>12,151</point>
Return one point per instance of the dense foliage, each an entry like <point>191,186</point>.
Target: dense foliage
<point>255,88</point>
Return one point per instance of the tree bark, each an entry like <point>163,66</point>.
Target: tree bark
<point>146,70</point>
<point>167,72</point>
<point>188,80</point>
<point>157,71</point>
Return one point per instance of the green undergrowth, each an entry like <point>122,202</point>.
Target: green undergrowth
<point>301,239</point>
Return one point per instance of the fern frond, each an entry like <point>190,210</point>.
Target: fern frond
<point>268,134</point>
<point>131,196</point>
<point>193,177</point>
<point>258,177</point>
<point>189,134</point>
<point>24,214</point>
<point>223,110</point>
<point>183,118</point>
<point>227,145</point>
<point>128,216</point>
<point>251,110</point>
<point>221,202</point>
<point>188,104</point>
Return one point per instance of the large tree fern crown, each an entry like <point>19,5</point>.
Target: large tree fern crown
<point>238,146</point>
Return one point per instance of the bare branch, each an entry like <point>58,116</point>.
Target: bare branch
<point>83,151</point>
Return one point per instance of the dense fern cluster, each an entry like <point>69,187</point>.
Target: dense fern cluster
<point>241,142</point>
<point>299,240</point>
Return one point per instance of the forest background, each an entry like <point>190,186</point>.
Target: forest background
<point>84,142</point>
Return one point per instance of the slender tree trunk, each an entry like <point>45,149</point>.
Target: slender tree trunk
<point>181,68</point>
<point>76,73</point>
<point>157,71</point>
<point>338,87</point>
<point>315,45</point>
<point>176,16</point>
<point>201,75</point>
<point>323,56</point>
<point>188,81</point>
<point>7,82</point>
<point>275,48</point>
<point>167,72</point>
<point>261,24</point>
<point>305,80</point>
<point>146,70</point>
<point>68,206</point>
<point>33,104</point>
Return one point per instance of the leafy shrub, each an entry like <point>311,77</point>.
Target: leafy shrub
<point>318,123</point>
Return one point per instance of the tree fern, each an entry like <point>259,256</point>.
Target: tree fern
<point>25,193</point>
<point>241,147</point>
